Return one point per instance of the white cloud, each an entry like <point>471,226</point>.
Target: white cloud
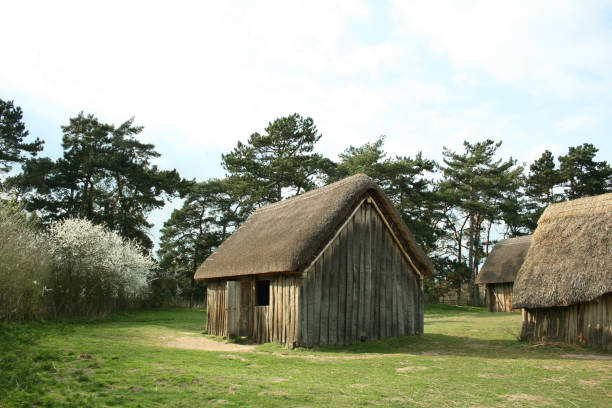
<point>559,46</point>
<point>576,122</point>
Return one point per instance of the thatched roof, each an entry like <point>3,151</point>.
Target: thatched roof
<point>288,235</point>
<point>504,261</point>
<point>570,258</point>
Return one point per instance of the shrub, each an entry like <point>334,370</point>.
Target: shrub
<point>95,270</point>
<point>25,263</point>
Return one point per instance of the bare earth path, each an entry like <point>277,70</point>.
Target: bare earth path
<point>202,343</point>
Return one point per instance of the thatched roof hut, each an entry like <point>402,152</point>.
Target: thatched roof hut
<point>504,261</point>
<point>569,265</point>
<point>320,268</point>
<point>499,271</point>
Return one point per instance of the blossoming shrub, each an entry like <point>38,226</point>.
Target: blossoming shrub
<point>25,264</point>
<point>95,270</point>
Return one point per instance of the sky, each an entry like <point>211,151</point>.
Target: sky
<point>202,75</point>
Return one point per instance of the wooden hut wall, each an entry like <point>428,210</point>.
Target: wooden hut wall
<point>500,297</point>
<point>278,321</point>
<point>360,288</point>
<point>216,323</point>
<point>587,323</point>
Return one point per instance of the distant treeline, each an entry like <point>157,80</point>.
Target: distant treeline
<point>105,175</point>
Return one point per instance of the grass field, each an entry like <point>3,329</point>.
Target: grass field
<point>467,357</point>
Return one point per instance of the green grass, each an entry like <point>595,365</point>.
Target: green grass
<point>467,357</point>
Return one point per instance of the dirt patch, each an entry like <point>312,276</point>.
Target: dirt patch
<point>553,367</point>
<point>554,380</point>
<point>232,357</point>
<point>491,375</point>
<point>359,385</point>
<point>587,356</point>
<point>202,343</point>
<point>218,402</point>
<point>527,398</point>
<point>588,382</point>
<point>397,399</point>
<point>273,393</point>
<point>409,369</point>
<point>326,357</point>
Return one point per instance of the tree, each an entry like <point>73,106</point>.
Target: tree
<point>211,211</point>
<point>476,189</point>
<point>540,185</point>
<point>13,149</point>
<point>583,176</point>
<point>280,159</point>
<point>105,175</point>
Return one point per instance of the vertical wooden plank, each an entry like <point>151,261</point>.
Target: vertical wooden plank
<point>382,270</point>
<point>302,306</point>
<point>399,292</point>
<point>389,292</point>
<point>367,324</point>
<point>348,339</point>
<point>312,298</point>
<point>341,272</point>
<point>287,300</point>
<point>375,257</point>
<point>324,330</point>
<point>334,288</point>
<point>316,326</point>
<point>283,310</point>
<point>378,270</point>
<point>364,236</point>
<point>295,315</point>
<point>287,319</point>
<point>356,277</point>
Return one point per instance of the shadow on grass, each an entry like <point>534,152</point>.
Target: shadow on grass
<point>441,344</point>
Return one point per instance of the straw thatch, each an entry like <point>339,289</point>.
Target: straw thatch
<point>504,261</point>
<point>288,235</point>
<point>570,258</point>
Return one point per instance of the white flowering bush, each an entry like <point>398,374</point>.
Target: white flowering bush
<point>95,271</point>
<point>25,263</point>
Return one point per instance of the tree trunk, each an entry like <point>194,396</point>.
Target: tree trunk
<point>471,261</point>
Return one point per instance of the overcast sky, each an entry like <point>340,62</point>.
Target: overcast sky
<point>202,75</point>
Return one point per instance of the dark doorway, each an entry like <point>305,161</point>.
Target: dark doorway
<point>262,293</point>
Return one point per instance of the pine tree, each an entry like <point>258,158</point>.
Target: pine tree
<point>476,189</point>
<point>583,176</point>
<point>281,158</point>
<point>105,175</point>
<point>13,132</point>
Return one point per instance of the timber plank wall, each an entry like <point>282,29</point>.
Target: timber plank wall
<point>277,322</point>
<point>216,322</point>
<point>499,297</point>
<point>587,323</point>
<point>361,288</point>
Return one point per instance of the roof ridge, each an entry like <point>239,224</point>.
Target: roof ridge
<point>514,240</point>
<point>586,202</point>
<point>309,194</point>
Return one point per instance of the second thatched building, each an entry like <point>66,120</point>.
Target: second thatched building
<point>499,271</point>
<point>335,265</point>
<point>565,283</point>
